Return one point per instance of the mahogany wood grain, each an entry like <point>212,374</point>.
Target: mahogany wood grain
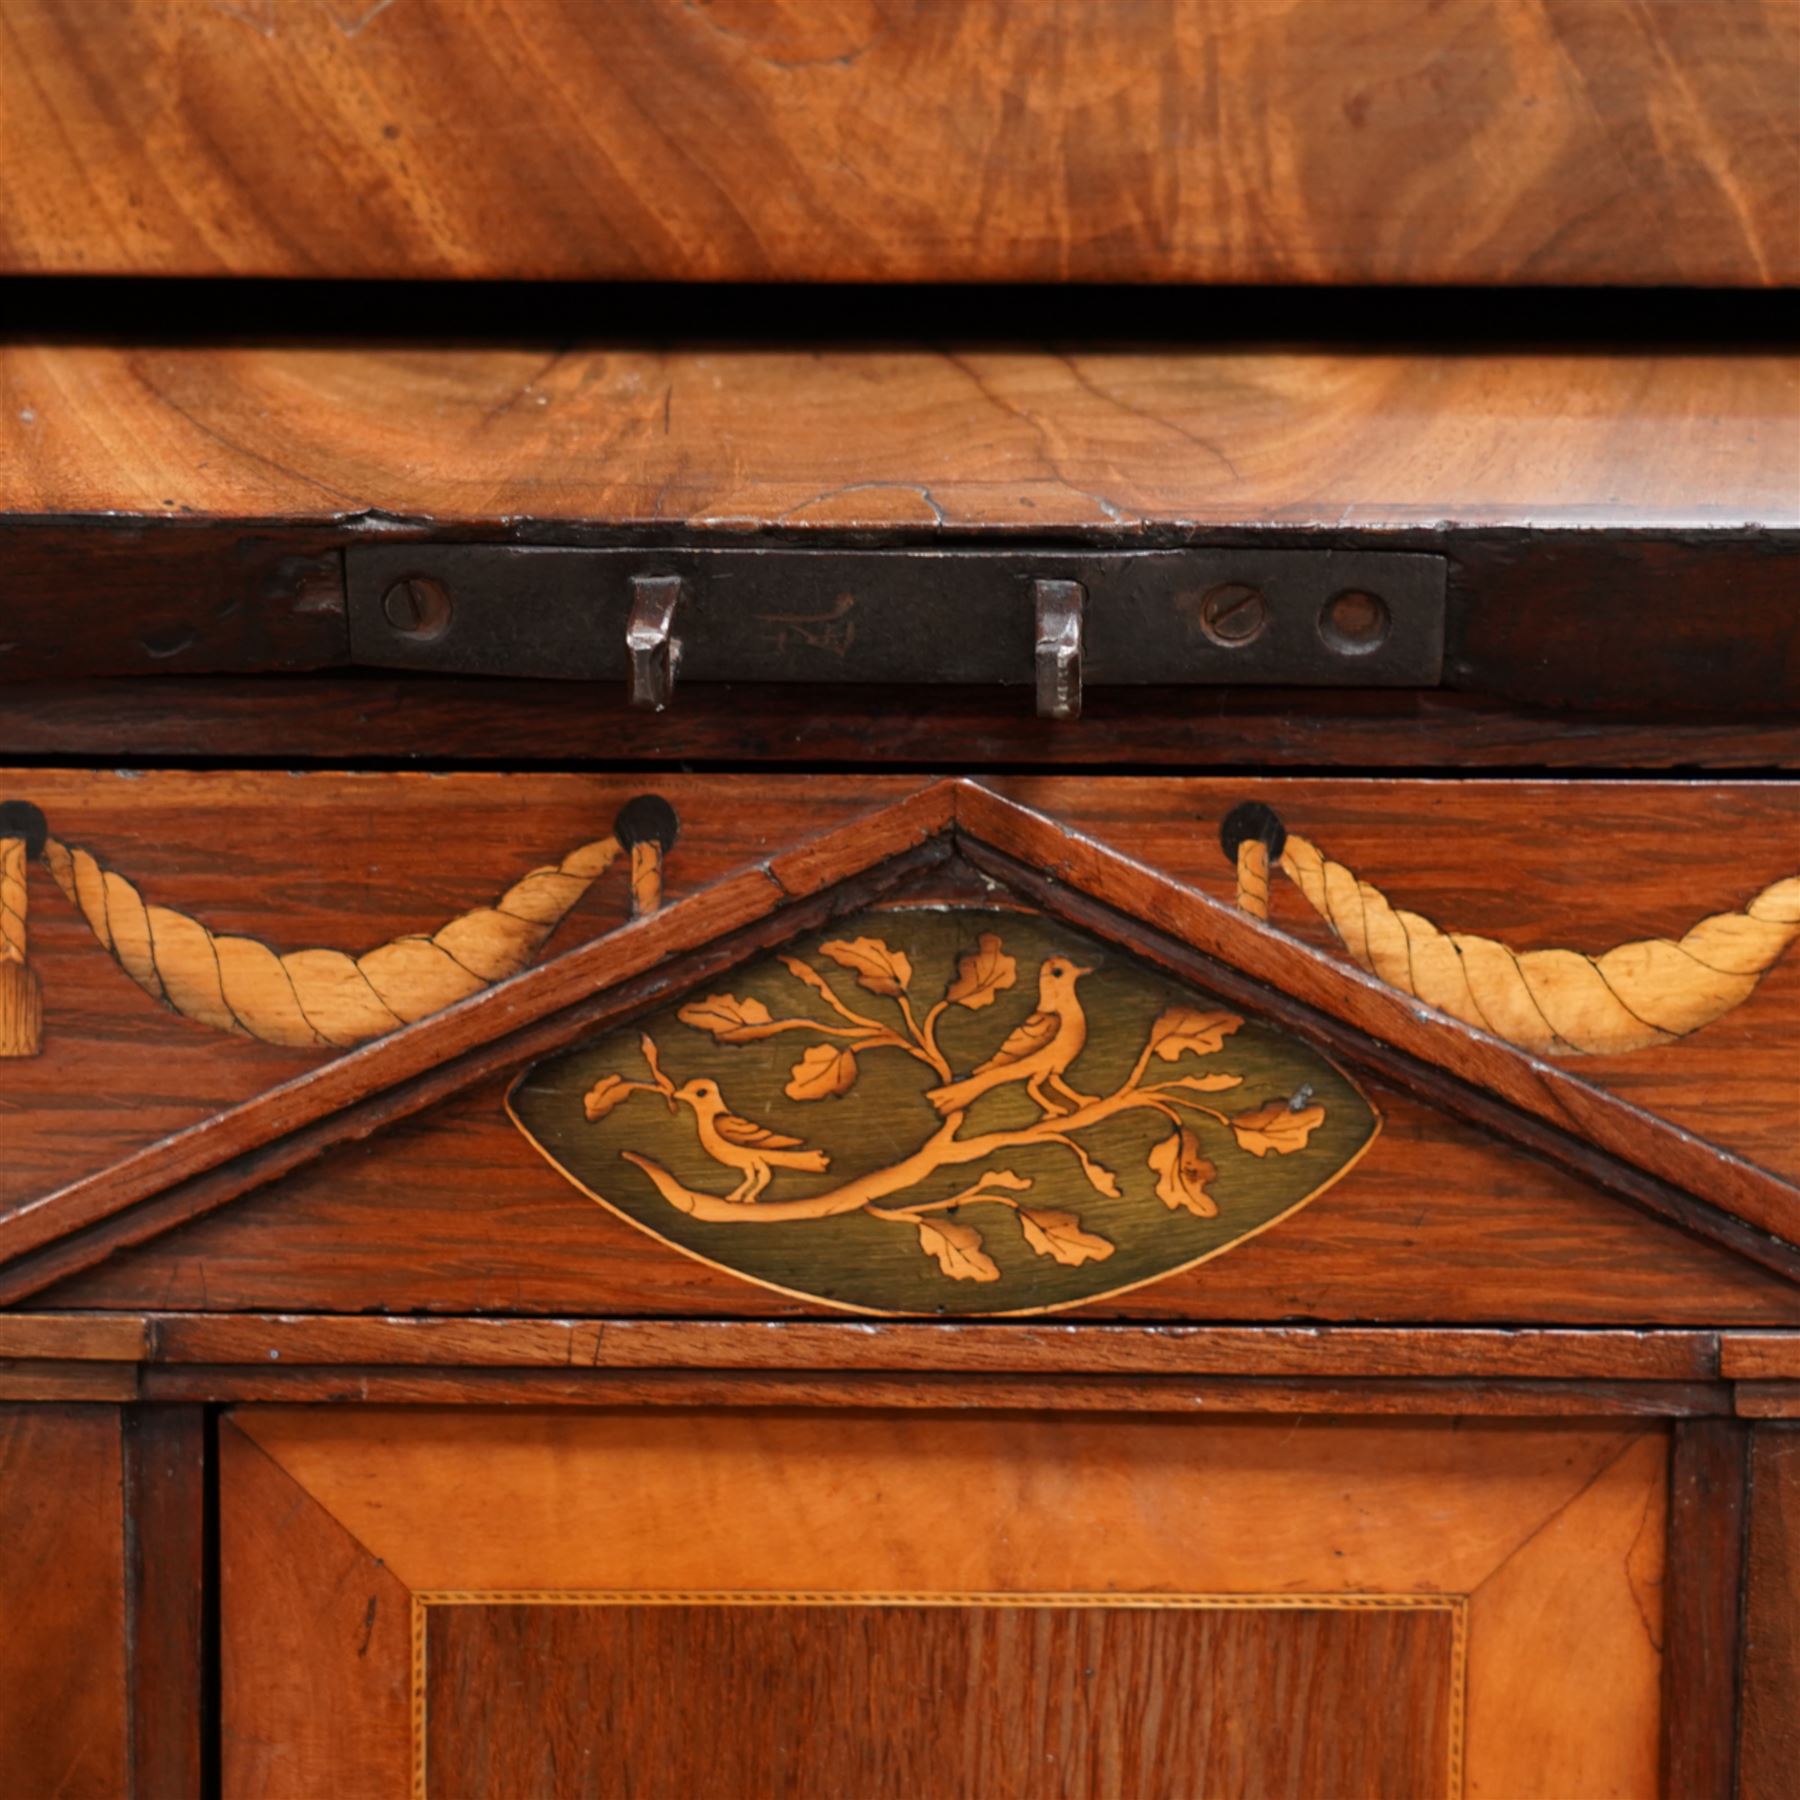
<point>168,1597</point>
<point>65,1725</point>
<point>891,1702</point>
<point>1554,1535</point>
<point>813,440</point>
<point>204,493</point>
<point>73,1337</point>
<point>1708,1471</point>
<point>1769,1734</point>
<point>342,721</point>
<point>1204,140</point>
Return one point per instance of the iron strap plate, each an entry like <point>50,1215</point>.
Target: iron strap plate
<point>1336,618</point>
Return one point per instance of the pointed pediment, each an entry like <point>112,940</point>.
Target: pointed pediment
<point>1176,941</point>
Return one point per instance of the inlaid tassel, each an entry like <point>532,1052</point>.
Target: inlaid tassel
<point>21,998</point>
<point>1252,835</point>
<point>646,826</point>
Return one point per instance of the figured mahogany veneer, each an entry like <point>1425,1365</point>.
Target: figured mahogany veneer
<point>1026,438</point>
<point>1201,140</point>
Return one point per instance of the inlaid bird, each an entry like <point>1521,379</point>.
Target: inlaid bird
<point>1036,1053</point>
<point>754,1150</point>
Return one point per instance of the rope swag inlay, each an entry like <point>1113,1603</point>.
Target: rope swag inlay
<point>301,998</point>
<point>1553,1002</point>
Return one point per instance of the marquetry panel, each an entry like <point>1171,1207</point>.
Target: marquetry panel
<point>1571,944</point>
<point>388,1574</point>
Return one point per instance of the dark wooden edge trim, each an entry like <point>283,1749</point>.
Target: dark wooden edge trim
<point>166,1596</point>
<point>1703,1600</point>
<point>327,721</point>
<point>1522,1097</point>
<point>68,1381</point>
<point>1312,1352</point>
<point>1767,1399</point>
<point>1021,1393</point>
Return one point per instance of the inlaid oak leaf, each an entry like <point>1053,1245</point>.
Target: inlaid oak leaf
<point>958,1250</point>
<point>730,1020</point>
<point>606,1093</point>
<point>1182,1174</point>
<point>1180,1030</point>
<point>1276,1127</point>
<point>1059,1235</point>
<point>982,974</point>
<point>876,967</point>
<point>821,1074</point>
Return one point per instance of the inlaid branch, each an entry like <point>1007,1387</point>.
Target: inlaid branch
<point>1037,1056</point>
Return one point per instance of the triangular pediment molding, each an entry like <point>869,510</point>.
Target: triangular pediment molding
<point>1540,1106</point>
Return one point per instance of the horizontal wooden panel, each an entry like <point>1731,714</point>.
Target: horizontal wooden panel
<point>1031,439</point>
<point>1191,140</point>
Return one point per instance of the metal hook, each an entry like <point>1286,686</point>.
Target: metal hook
<point>650,641</point>
<point>1059,647</point>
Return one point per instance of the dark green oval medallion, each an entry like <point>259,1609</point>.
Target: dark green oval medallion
<point>947,1111</point>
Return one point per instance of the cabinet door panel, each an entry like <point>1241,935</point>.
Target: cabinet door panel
<point>612,1603</point>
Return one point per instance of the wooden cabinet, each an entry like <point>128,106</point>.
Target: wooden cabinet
<point>1026,1041</point>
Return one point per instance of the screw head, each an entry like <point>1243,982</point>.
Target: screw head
<point>1354,622</point>
<point>1234,614</point>
<point>417,607</point>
